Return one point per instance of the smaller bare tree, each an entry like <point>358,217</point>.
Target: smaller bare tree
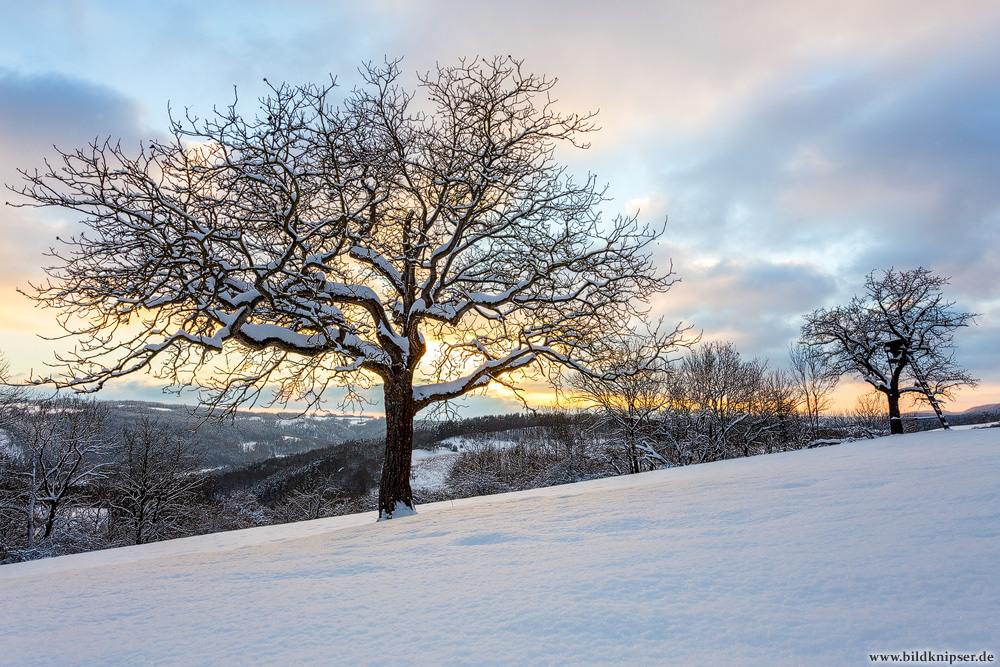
<point>152,484</point>
<point>11,489</point>
<point>898,337</point>
<point>776,402</point>
<point>869,417</point>
<point>720,388</point>
<point>65,445</point>
<point>630,388</point>
<point>815,381</point>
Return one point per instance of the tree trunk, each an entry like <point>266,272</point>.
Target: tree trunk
<point>395,497</point>
<point>31,506</point>
<point>895,418</point>
<point>140,518</point>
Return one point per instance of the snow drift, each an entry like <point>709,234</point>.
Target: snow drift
<point>818,556</point>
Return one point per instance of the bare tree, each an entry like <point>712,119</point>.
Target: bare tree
<point>719,386</point>
<point>12,491</point>
<point>151,484</point>
<point>869,416</point>
<point>775,407</point>
<point>815,381</point>
<point>630,387</point>
<point>488,468</point>
<point>734,407</point>
<point>320,244</point>
<point>314,500</point>
<point>64,443</point>
<point>898,336</point>
<point>238,511</point>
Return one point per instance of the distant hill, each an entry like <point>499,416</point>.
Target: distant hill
<point>992,407</point>
<point>250,436</point>
<point>974,415</point>
<point>353,465</point>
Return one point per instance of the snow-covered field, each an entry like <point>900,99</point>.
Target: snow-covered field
<point>430,469</point>
<point>809,557</point>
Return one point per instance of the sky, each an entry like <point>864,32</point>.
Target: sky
<point>792,146</point>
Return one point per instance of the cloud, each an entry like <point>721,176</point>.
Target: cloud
<point>37,113</point>
<point>867,152</point>
<point>756,304</point>
<point>837,171</point>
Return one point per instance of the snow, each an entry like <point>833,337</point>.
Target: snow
<point>399,510</point>
<point>461,443</point>
<point>430,470</point>
<point>481,377</point>
<point>428,391</point>
<point>818,556</point>
<point>262,332</point>
<point>7,447</point>
<point>202,471</point>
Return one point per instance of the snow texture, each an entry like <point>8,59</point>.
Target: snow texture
<point>461,443</point>
<point>399,510</point>
<point>7,447</point>
<point>810,557</point>
<point>430,469</point>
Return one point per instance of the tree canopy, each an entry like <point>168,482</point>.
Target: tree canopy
<point>330,238</point>
<point>898,336</point>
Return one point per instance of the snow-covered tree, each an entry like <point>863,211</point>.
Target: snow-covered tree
<point>65,445</point>
<point>151,484</point>
<point>335,240</point>
<point>814,380</point>
<point>898,337</point>
<point>12,490</point>
<point>630,386</point>
<point>734,407</point>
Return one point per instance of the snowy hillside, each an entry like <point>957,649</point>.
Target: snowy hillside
<point>809,557</point>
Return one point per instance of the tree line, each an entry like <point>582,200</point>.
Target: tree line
<point>74,479</point>
<point>65,475</point>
